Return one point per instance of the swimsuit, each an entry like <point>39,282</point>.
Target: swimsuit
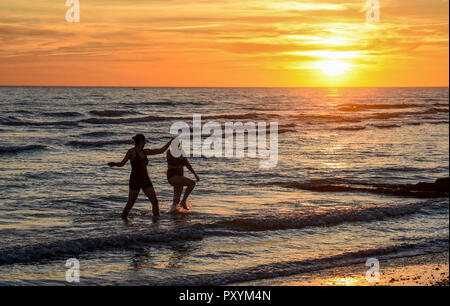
<point>178,162</point>
<point>139,176</point>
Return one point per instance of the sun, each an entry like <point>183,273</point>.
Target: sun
<point>333,67</point>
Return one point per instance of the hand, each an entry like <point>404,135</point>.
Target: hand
<point>197,178</point>
<point>111,164</point>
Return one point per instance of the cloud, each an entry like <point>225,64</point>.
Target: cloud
<point>227,33</point>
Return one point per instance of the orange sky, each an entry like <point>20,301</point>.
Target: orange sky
<point>224,43</point>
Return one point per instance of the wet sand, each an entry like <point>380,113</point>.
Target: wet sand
<point>424,270</point>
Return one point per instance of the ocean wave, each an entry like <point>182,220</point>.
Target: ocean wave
<point>440,188</point>
<point>18,149</point>
<point>398,169</point>
<point>62,114</point>
<point>359,107</point>
<point>99,143</point>
<point>267,108</point>
<point>331,118</point>
<point>386,125</point>
<point>338,118</point>
<point>285,130</point>
<point>327,219</point>
<point>282,128</point>
<point>155,103</point>
<point>428,111</point>
<point>414,123</point>
<point>288,268</point>
<point>112,113</point>
<point>441,104</point>
<point>441,110</point>
<point>73,247</point>
<point>12,121</point>
<point>164,102</point>
<point>237,227</point>
<point>350,128</point>
<point>246,116</point>
<point>97,134</point>
<point>439,122</point>
<point>23,111</point>
<point>363,127</point>
<point>435,99</point>
<point>122,120</point>
<point>249,116</point>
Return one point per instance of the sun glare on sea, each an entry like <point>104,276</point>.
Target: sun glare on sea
<point>344,281</point>
<point>333,67</point>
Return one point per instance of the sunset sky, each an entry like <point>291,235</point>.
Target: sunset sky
<point>224,43</point>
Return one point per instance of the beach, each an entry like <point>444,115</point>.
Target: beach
<point>422,270</point>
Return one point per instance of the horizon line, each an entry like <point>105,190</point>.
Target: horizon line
<point>165,86</point>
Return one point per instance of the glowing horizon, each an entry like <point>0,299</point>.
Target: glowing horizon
<point>256,43</point>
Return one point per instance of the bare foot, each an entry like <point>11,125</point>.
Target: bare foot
<point>184,205</point>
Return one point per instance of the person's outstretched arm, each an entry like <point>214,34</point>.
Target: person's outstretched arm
<point>188,165</point>
<point>158,151</point>
<point>123,162</point>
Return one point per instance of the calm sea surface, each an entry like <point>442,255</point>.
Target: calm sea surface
<point>340,193</point>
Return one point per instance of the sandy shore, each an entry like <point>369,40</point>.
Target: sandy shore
<point>424,270</point>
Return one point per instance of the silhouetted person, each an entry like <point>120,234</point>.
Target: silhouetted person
<point>139,178</point>
<point>176,178</point>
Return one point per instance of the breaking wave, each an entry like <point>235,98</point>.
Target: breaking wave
<point>228,227</point>
<point>299,220</point>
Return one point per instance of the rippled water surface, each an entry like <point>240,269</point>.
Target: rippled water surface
<point>343,188</point>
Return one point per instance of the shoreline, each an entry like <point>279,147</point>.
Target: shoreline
<point>420,270</point>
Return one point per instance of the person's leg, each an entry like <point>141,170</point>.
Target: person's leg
<point>188,191</point>
<point>151,194</point>
<point>177,191</point>
<point>132,196</point>
<point>183,181</point>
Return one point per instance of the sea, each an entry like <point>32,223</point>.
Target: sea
<point>354,180</point>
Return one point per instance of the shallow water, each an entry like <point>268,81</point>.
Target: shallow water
<point>336,194</point>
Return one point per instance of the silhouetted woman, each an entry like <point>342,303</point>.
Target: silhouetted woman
<point>176,178</point>
<point>139,178</point>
